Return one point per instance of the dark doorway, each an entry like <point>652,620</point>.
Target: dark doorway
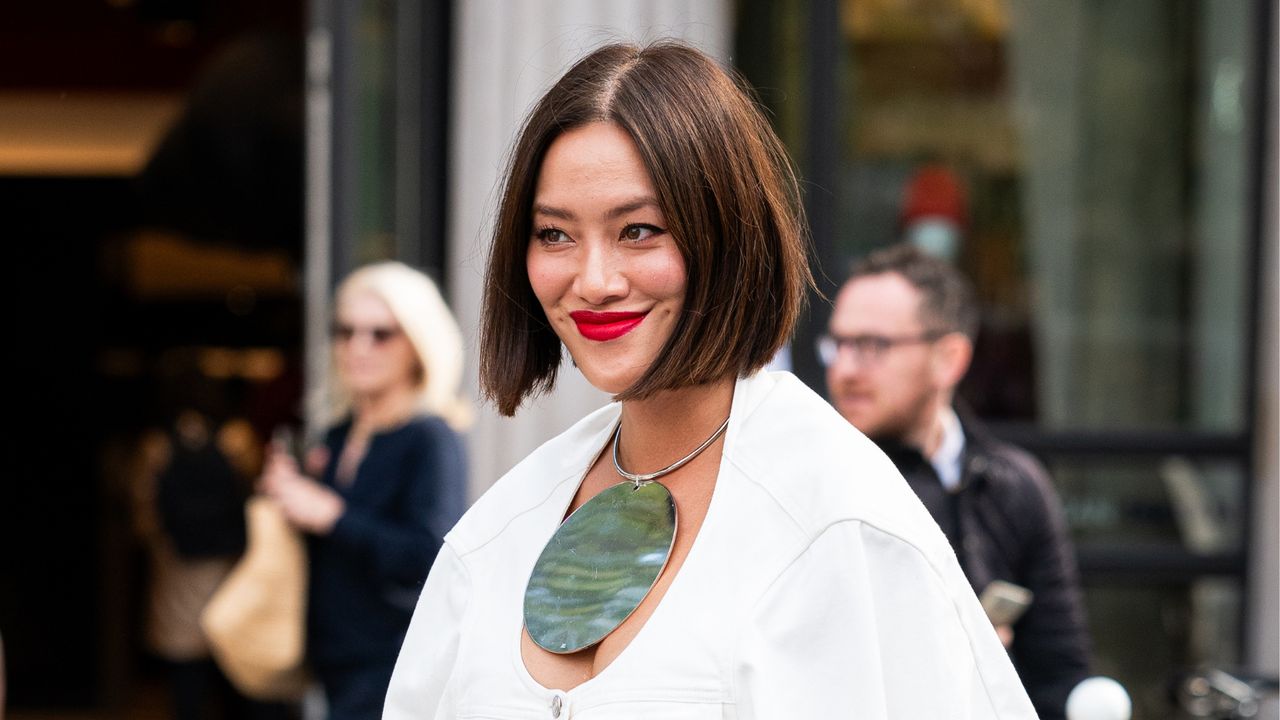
<point>146,272</point>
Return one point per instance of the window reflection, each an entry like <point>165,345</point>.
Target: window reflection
<point>1173,502</point>
<point>1100,152</point>
<point>1088,165</point>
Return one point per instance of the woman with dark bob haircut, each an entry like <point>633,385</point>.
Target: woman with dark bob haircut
<point>718,542</point>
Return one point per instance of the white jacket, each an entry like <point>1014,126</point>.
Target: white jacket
<point>817,587</point>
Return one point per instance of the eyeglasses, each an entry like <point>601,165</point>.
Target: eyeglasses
<point>868,348</point>
<point>344,333</point>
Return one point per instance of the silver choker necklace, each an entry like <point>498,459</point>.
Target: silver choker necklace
<point>642,479</point>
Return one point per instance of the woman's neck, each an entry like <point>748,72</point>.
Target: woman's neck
<point>662,429</point>
<point>374,412</point>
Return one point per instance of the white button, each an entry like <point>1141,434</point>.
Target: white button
<point>556,704</point>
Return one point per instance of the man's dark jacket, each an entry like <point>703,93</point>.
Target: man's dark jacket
<point>1005,522</point>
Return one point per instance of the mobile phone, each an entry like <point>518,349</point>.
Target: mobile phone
<point>1005,602</point>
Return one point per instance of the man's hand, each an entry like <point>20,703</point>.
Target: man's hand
<point>1006,635</point>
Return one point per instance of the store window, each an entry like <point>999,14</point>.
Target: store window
<point>1091,166</point>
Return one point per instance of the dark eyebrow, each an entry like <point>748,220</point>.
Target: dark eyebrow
<point>638,203</point>
<point>539,209</point>
<point>630,207</point>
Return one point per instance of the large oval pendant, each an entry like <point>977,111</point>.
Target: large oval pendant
<point>598,566</point>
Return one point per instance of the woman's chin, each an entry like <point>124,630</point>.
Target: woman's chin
<point>367,387</point>
<point>611,383</point>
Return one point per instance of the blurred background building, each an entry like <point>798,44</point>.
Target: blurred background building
<point>183,181</point>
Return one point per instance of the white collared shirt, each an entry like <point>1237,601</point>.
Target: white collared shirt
<point>818,586</point>
<point>948,461</point>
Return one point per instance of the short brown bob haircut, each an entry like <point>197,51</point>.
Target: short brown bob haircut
<point>729,196</point>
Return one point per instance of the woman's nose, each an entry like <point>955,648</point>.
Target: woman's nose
<point>600,277</point>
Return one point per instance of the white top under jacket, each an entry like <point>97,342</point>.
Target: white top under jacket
<point>817,587</point>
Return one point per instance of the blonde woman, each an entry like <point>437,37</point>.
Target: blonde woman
<point>387,483</point>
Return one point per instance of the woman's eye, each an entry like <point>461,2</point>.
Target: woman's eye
<point>551,235</point>
<point>639,232</point>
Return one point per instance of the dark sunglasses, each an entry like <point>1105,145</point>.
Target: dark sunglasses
<point>344,333</point>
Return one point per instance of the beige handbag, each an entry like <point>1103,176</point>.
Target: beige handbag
<point>256,621</point>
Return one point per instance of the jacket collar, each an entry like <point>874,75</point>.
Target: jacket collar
<point>590,435</point>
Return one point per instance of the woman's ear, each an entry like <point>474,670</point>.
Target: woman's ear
<point>951,357</point>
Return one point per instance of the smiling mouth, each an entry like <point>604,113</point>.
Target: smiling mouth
<point>604,326</point>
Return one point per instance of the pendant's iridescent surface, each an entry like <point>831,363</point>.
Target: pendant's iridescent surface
<point>598,566</point>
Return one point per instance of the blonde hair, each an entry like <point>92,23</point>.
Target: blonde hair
<point>417,306</point>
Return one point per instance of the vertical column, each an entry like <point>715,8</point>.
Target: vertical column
<point>1046,43</point>
<point>822,166</point>
<point>1220,242</point>
<point>410,203</point>
<point>1263,621</point>
<point>319,188</point>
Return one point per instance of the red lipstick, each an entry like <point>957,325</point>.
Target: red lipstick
<point>602,326</point>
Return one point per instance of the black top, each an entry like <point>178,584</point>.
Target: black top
<point>367,573</point>
<point>1005,522</point>
<point>200,501</point>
